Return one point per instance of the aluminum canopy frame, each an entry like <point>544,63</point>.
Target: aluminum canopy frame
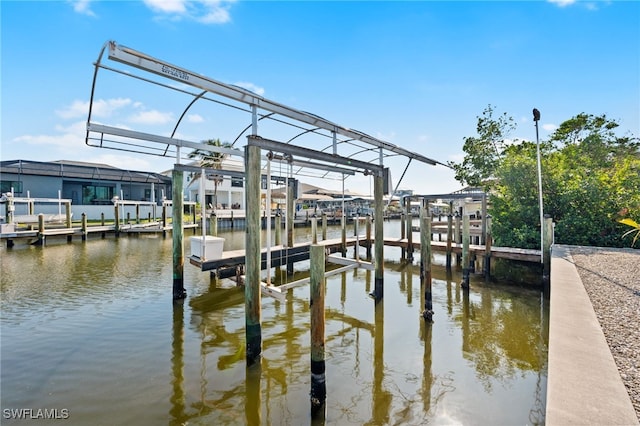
<point>134,58</point>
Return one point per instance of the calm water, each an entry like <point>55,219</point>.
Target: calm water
<point>90,328</point>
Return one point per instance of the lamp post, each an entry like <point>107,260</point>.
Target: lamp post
<point>536,118</point>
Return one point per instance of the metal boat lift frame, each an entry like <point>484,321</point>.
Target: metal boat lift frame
<point>129,140</point>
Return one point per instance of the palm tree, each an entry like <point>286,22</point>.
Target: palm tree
<point>211,160</point>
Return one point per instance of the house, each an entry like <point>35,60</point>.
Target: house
<point>221,191</point>
<point>91,187</point>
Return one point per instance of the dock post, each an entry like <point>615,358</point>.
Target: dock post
<point>324,226</point>
<point>128,218</point>
<point>356,247</point>
<point>278,230</point>
<point>41,236</point>
<point>316,302</point>
<point>291,211</point>
<point>409,232</point>
<point>314,230</point>
<point>84,226</point>
<point>252,295</point>
<point>449,240</point>
<point>137,214</point>
<point>10,207</point>
<point>149,218</point>
<point>177,227</point>
<point>343,223</point>
<point>378,190</point>
<point>425,260</point>
<point>487,249</point>
<point>457,235</point>
<point>368,236</point>
<point>403,234</point>
<point>546,252</point>
<point>465,251</point>
<point>67,208</point>
<point>213,224</point>
<point>116,224</point>
<point>231,219</point>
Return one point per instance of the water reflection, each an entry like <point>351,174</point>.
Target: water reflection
<point>483,360</point>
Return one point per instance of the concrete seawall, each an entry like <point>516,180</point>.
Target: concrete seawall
<point>584,385</point>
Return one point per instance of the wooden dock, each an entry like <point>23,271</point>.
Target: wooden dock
<point>35,235</point>
<point>226,266</point>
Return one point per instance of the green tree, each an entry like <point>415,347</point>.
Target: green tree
<point>590,179</point>
<point>484,152</point>
<point>211,159</point>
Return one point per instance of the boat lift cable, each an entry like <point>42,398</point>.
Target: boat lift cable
<point>398,184</point>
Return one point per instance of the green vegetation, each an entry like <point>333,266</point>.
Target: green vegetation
<point>211,159</point>
<point>590,180</point>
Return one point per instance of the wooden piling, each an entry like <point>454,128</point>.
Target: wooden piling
<point>252,295</point>
<point>291,211</point>
<point>343,227</point>
<point>465,251</point>
<point>102,234</point>
<point>378,193</point>
<point>403,233</point>
<point>137,214</point>
<point>457,233</point>
<point>278,226</point>
<point>314,230</point>
<point>409,231</point>
<point>324,226</point>
<point>177,197</point>
<point>316,301</point>
<point>449,241</point>
<point>356,247</point>
<point>67,208</point>
<point>41,236</point>
<point>116,215</point>
<point>84,227</point>
<point>213,224</point>
<point>425,261</point>
<point>368,236</point>
<point>487,249</point>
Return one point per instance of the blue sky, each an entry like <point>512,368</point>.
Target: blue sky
<point>416,74</point>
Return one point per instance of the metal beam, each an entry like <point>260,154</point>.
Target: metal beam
<point>132,134</point>
<point>145,62</point>
<point>298,151</point>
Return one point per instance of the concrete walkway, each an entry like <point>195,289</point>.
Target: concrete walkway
<point>583,385</point>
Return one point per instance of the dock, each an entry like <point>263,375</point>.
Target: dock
<point>226,265</point>
<point>35,236</point>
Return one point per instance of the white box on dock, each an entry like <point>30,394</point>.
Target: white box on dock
<point>212,247</point>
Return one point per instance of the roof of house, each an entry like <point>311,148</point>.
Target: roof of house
<point>80,170</point>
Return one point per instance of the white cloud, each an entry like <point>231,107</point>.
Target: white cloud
<point>166,6</point>
<point>195,118</point>
<point>250,87</point>
<point>67,137</point>
<point>550,127</point>
<point>203,11</point>
<point>101,108</point>
<point>590,5</point>
<point>562,3</point>
<point>82,7</point>
<point>151,117</point>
